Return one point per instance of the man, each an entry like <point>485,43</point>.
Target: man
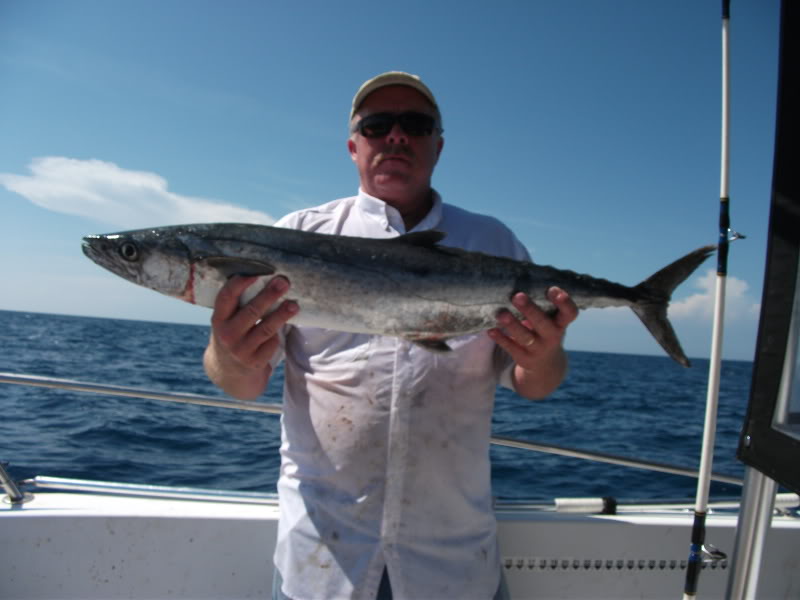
<point>385,479</point>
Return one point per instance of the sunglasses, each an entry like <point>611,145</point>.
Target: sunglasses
<point>415,124</point>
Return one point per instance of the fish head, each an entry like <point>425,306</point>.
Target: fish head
<point>148,257</point>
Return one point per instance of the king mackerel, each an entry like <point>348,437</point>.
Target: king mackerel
<point>411,286</point>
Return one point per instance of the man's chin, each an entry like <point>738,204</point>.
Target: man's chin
<point>393,189</point>
<point>392,179</point>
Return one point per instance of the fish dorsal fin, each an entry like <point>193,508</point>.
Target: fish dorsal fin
<point>428,238</point>
<point>230,266</point>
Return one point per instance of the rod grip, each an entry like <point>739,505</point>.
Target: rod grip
<point>695,554</point>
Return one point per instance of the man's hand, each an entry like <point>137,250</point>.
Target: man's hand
<point>244,339</point>
<point>535,342</point>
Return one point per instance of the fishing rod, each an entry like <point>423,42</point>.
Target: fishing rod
<point>698,550</point>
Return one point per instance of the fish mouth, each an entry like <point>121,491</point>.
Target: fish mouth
<point>90,247</point>
<point>104,251</point>
<point>98,250</point>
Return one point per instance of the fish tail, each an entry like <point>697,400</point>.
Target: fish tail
<point>655,293</point>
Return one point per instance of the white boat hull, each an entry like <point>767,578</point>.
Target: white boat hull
<point>92,546</point>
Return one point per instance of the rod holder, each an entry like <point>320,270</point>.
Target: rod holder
<point>13,494</point>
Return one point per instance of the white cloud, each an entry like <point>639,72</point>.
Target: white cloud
<point>105,192</point>
<point>738,303</point>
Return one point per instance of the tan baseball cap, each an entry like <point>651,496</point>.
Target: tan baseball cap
<point>391,78</point>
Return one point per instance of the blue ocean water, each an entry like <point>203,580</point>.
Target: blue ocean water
<point>645,407</point>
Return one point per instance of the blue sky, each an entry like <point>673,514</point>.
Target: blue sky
<point>591,128</point>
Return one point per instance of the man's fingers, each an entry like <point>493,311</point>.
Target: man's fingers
<point>535,327</point>
<point>269,326</point>
<point>259,305</point>
<point>566,309</point>
<point>234,324</point>
<point>505,342</point>
<point>259,344</point>
<point>227,302</point>
<point>537,321</point>
<point>515,330</point>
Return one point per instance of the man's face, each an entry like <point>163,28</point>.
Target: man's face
<point>396,167</point>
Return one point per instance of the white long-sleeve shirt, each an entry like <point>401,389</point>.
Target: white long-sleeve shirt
<point>385,445</point>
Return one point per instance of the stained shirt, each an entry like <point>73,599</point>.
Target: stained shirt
<point>385,445</point>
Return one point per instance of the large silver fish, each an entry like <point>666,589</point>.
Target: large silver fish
<point>409,286</point>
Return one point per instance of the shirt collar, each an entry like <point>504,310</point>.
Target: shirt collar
<point>390,216</point>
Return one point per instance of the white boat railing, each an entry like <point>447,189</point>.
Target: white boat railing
<point>115,488</point>
<point>276,409</point>
<point>785,503</point>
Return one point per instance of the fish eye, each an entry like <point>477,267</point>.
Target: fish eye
<point>129,251</point>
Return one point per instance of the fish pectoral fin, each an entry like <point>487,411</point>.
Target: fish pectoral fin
<point>426,239</point>
<point>230,266</point>
<point>432,345</point>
